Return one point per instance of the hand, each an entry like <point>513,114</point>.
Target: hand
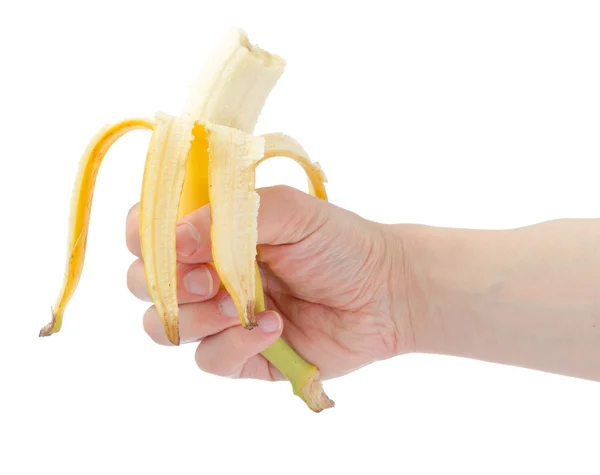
<point>333,286</point>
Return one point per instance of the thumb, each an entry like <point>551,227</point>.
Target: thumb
<point>285,216</point>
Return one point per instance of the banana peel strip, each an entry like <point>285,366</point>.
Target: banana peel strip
<point>164,174</point>
<point>81,206</point>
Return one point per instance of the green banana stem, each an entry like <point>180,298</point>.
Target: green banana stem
<point>303,376</point>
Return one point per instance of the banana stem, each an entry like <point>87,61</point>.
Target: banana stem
<point>303,376</point>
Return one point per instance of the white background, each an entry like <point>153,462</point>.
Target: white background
<point>464,114</point>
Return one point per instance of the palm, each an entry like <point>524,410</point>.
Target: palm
<point>330,291</point>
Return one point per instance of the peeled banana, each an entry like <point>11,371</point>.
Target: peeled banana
<point>206,155</point>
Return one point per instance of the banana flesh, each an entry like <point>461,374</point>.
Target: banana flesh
<point>233,86</point>
<point>206,155</point>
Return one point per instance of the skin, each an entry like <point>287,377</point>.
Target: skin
<point>346,292</point>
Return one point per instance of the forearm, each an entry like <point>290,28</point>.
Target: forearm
<point>527,297</point>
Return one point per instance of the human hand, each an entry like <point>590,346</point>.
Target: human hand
<point>332,281</point>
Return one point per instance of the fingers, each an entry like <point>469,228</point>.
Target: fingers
<point>258,367</point>
<point>196,320</point>
<point>194,283</point>
<point>223,351</point>
<point>229,352</point>
<point>192,239</point>
<point>285,216</point>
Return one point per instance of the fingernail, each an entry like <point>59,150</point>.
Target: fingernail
<point>269,322</point>
<point>227,307</point>
<point>199,281</point>
<point>187,239</point>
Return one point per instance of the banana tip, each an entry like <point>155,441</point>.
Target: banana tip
<point>173,336</point>
<point>49,328</point>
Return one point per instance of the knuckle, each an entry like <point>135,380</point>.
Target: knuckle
<point>133,213</point>
<point>285,192</point>
<point>131,277</point>
<point>277,193</point>
<point>199,219</point>
<point>136,282</point>
<point>132,237</point>
<point>132,240</point>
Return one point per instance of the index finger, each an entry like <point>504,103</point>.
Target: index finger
<point>193,235</point>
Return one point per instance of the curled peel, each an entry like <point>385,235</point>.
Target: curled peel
<point>81,206</point>
<point>282,145</point>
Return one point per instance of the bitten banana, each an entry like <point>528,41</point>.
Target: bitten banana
<point>206,155</point>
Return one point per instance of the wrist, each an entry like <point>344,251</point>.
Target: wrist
<point>447,278</point>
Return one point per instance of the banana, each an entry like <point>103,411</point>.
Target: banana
<point>206,155</point>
